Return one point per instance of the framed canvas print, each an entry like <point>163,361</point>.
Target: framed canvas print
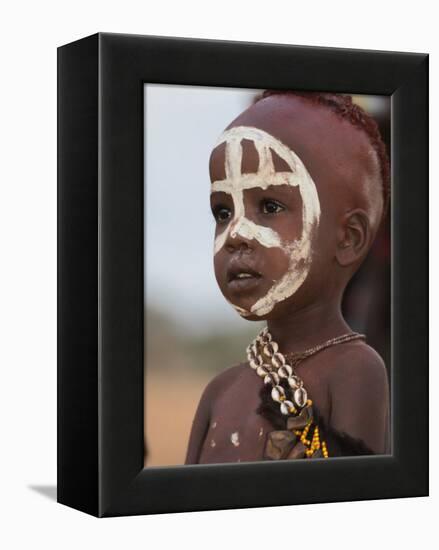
<point>242,274</point>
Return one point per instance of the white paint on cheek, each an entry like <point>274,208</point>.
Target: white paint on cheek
<point>298,251</point>
<point>243,312</point>
<point>292,279</point>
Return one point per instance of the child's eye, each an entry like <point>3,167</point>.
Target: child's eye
<point>271,207</point>
<point>221,214</point>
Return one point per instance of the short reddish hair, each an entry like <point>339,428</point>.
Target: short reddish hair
<point>343,106</point>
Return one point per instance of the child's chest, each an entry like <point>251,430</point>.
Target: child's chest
<point>236,433</point>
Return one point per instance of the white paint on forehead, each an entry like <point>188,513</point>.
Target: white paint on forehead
<point>298,251</point>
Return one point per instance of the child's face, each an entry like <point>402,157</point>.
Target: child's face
<point>267,209</point>
<point>275,225</point>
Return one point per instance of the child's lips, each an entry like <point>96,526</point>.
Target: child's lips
<point>247,283</point>
<point>241,276</point>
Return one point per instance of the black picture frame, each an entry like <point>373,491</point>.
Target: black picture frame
<point>100,274</point>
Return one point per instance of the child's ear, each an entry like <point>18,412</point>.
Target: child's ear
<point>353,238</point>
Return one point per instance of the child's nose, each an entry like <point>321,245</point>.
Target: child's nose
<point>236,226</point>
<point>238,235</point>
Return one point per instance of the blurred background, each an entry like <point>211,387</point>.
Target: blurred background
<point>191,332</point>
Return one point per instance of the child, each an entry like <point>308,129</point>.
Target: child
<point>300,183</point>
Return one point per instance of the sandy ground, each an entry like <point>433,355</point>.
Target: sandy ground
<point>170,405</point>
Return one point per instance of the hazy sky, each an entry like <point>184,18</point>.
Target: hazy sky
<point>182,124</point>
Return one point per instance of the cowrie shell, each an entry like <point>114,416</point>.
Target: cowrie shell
<point>285,371</point>
<point>300,397</point>
<point>294,382</point>
<point>285,407</point>
<point>261,371</point>
<point>272,378</point>
<point>278,360</point>
<point>277,392</point>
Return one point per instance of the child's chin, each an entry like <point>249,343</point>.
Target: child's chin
<point>278,310</point>
<point>250,317</point>
<point>247,314</point>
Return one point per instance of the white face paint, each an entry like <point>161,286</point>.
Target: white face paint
<point>298,251</point>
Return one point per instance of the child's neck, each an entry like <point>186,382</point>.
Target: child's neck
<point>308,327</point>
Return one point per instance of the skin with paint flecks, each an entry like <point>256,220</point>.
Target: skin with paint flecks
<point>254,227</point>
<point>234,438</point>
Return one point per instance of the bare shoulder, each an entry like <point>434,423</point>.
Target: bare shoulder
<point>357,363</point>
<point>359,395</point>
<point>218,385</point>
<point>226,378</point>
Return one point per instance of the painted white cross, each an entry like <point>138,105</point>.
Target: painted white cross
<point>299,251</point>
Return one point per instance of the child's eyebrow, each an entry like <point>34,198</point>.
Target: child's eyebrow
<point>287,191</point>
<point>220,194</point>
